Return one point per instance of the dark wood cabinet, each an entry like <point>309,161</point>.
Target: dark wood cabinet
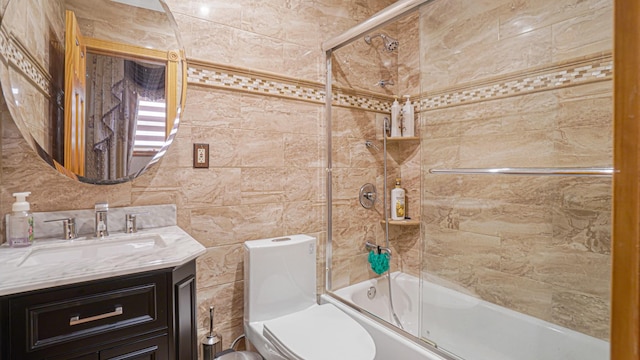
<point>139,316</point>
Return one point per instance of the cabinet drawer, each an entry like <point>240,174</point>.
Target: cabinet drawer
<point>91,314</point>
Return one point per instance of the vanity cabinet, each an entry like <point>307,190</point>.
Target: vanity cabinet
<point>139,316</point>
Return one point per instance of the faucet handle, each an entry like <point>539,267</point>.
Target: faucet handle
<point>68,226</point>
<point>131,222</point>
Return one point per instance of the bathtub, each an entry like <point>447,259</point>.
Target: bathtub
<point>468,327</point>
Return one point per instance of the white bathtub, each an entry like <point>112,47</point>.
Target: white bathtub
<point>471,328</point>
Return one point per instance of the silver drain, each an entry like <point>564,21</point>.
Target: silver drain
<point>371,293</point>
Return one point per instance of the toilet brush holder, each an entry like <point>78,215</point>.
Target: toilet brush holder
<point>212,343</point>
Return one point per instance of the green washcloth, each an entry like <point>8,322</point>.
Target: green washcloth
<point>379,262</point>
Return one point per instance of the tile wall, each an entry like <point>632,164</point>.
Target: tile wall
<point>520,84</point>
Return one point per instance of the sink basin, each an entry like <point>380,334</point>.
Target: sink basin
<point>83,250</point>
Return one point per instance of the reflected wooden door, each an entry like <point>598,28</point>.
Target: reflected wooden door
<point>74,102</point>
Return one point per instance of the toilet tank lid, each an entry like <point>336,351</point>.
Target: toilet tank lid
<point>278,241</point>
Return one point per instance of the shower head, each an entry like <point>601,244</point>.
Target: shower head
<point>390,44</point>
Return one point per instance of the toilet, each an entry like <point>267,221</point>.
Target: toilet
<point>282,318</point>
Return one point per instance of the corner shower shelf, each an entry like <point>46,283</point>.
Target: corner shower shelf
<point>527,171</point>
<point>406,138</point>
<point>406,222</point>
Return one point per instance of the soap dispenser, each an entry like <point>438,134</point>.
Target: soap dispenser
<point>20,222</point>
<point>408,126</point>
<point>396,126</point>
<point>397,202</point>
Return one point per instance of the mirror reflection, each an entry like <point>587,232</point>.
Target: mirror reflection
<point>96,90</point>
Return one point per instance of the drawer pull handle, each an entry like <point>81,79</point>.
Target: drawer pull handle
<point>77,321</point>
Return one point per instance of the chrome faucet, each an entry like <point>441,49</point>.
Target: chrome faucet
<point>68,226</point>
<point>101,219</point>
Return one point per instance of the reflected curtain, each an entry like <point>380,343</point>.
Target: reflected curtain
<point>111,108</point>
<point>114,88</point>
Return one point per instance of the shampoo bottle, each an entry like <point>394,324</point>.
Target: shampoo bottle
<point>397,202</point>
<point>408,129</point>
<point>20,222</point>
<point>396,126</point>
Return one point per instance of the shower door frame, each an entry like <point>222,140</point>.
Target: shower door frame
<point>378,20</point>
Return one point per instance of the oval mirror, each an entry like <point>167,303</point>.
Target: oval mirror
<point>96,87</point>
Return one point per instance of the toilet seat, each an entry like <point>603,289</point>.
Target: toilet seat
<point>319,332</point>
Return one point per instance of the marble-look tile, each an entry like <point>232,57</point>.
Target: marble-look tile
<point>227,300</point>
<point>596,112</point>
<point>226,13</point>
<point>441,153</point>
<point>586,230</point>
<point>536,149</point>
<point>304,184</point>
<point>262,185</point>
<point>353,123</point>
<point>584,146</point>
<point>481,29</point>
<point>303,217</point>
<point>268,114</point>
<point>206,107</point>
<point>524,295</point>
<point>471,248</point>
<point>207,40</point>
<point>496,218</point>
<point>302,151</point>
<point>210,187</point>
<point>220,265</point>
<point>125,24</point>
<point>347,182</point>
<point>304,62</point>
<point>583,35</point>
<point>525,15</point>
<point>235,224</point>
<point>261,149</point>
<point>460,274</point>
<point>340,273</point>
<point>584,313</point>
<point>586,193</point>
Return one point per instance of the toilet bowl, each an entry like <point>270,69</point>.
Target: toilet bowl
<point>281,316</point>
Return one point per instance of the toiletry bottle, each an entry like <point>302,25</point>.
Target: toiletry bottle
<point>408,126</point>
<point>20,222</point>
<point>396,126</point>
<point>397,202</point>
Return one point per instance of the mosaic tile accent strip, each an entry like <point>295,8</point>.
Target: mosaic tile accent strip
<point>218,76</point>
<point>365,103</point>
<point>599,68</point>
<point>21,60</point>
<point>220,79</point>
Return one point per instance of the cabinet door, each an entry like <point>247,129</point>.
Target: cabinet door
<point>148,349</point>
<point>185,333</point>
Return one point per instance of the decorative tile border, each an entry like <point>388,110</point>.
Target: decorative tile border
<point>585,70</point>
<point>262,83</point>
<point>17,56</point>
<point>218,78</point>
<point>589,69</point>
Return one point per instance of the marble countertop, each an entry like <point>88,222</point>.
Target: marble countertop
<point>49,263</point>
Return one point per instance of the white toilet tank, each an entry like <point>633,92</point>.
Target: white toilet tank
<point>279,276</point>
